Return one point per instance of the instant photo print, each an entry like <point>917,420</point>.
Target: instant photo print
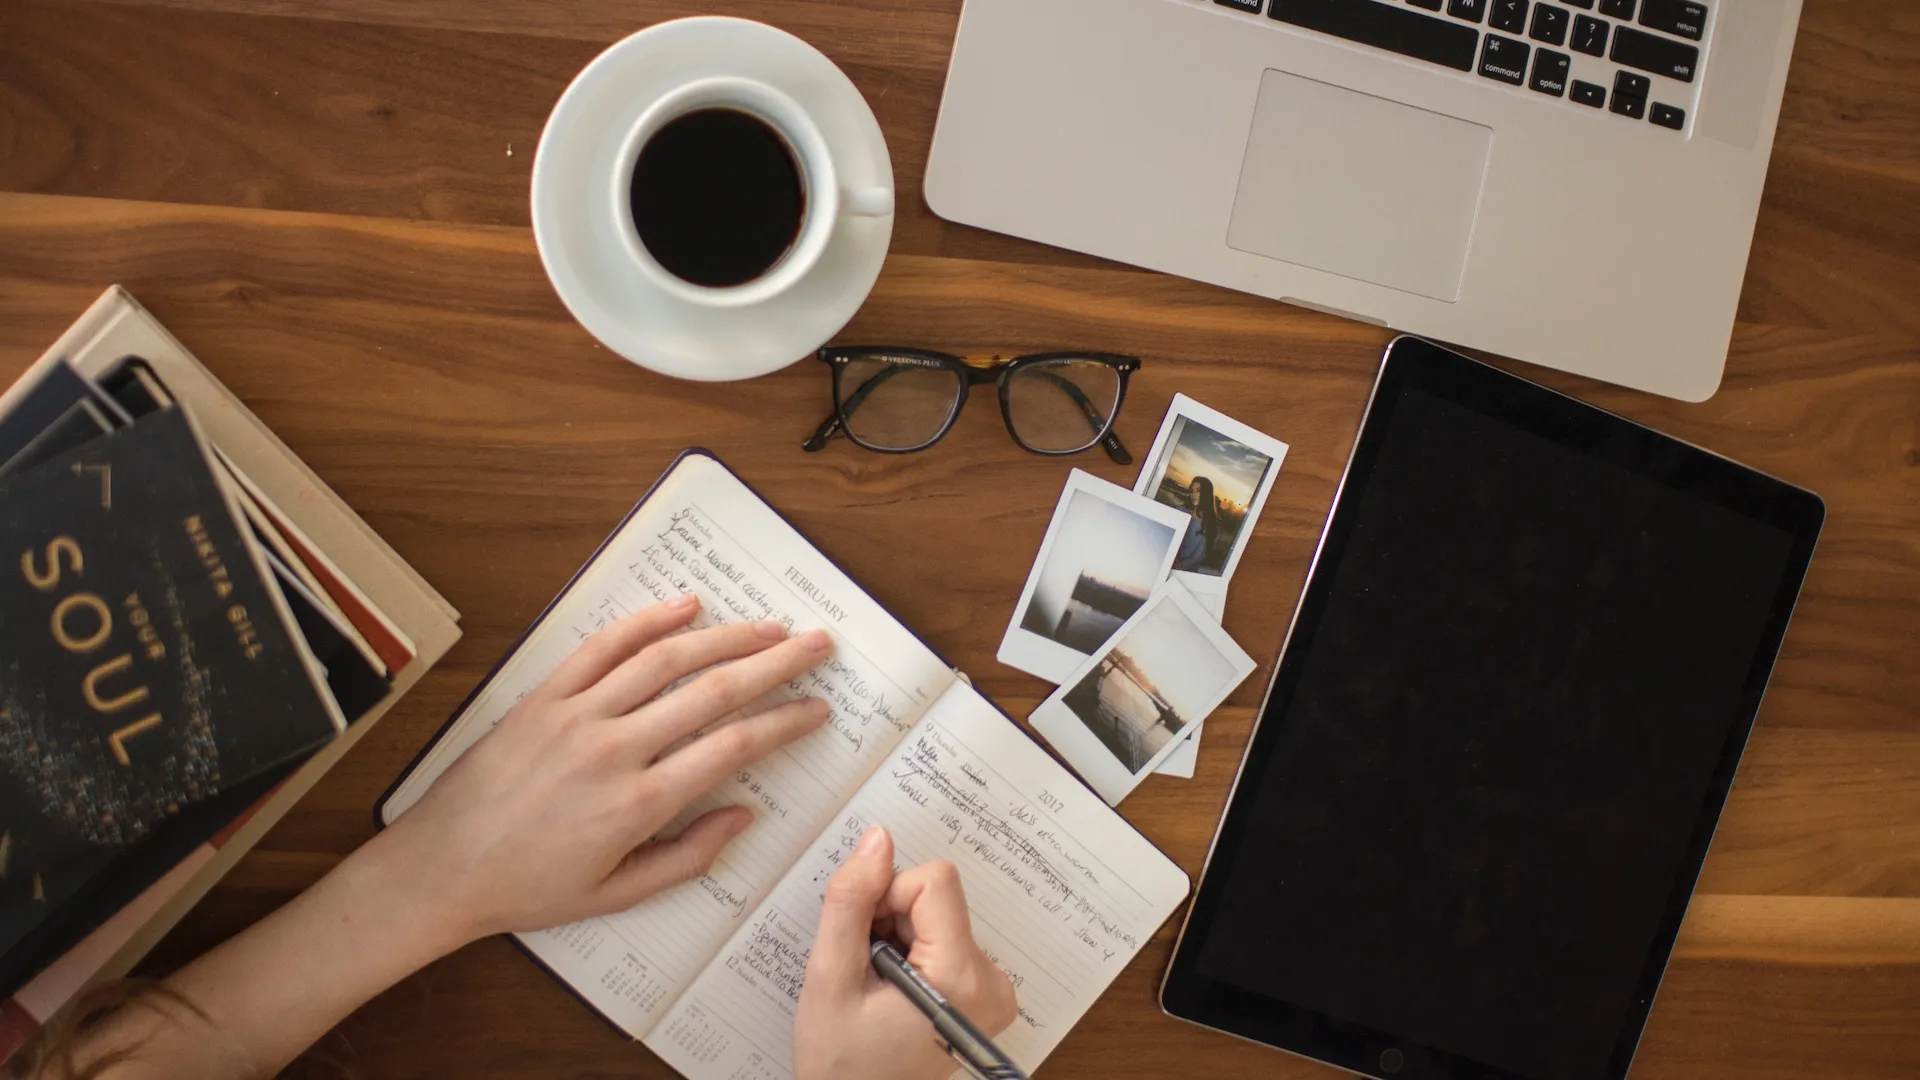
<point>1216,471</point>
<point>1128,707</point>
<point>1105,551</point>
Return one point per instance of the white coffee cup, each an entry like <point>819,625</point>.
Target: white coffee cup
<point>825,200</point>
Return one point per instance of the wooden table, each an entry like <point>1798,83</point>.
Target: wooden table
<point>328,204</point>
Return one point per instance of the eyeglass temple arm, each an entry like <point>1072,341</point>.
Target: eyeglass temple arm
<point>829,429</point>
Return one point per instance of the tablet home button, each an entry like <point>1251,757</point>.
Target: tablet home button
<point>1391,1060</point>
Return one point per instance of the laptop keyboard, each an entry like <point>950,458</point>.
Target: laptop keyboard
<point>1524,40</point>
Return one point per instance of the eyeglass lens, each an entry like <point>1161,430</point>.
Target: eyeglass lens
<point>1062,405</point>
<point>894,404</point>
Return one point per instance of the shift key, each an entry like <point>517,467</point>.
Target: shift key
<point>1662,56</point>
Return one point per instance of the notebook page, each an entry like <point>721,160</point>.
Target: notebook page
<point>703,532</point>
<point>1062,891</point>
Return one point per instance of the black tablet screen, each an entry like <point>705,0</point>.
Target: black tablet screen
<point>1478,796</point>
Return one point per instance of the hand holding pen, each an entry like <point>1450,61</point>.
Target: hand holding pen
<point>853,1023</point>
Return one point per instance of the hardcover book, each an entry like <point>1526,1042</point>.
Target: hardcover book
<point>51,908</point>
<point>119,356</point>
<point>43,405</point>
<point>123,875</point>
<point>149,661</point>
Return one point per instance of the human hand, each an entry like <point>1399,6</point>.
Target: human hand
<point>849,1021</point>
<point>548,818</point>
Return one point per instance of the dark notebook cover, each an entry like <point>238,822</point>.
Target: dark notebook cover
<point>79,897</point>
<point>144,662</point>
<point>355,685</point>
<point>131,383</point>
<point>79,425</point>
<point>123,875</point>
<point>58,390</point>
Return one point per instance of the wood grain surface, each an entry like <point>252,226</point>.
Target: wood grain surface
<point>326,200</point>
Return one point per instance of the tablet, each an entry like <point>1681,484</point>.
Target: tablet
<point>1529,651</point>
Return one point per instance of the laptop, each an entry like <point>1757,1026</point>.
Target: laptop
<point>1567,182</point>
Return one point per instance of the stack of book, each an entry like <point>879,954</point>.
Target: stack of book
<point>193,629</point>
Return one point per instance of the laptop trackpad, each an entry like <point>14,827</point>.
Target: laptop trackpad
<point>1359,186</point>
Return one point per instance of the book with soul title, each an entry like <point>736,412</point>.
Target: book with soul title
<point>148,660</point>
<point>336,624</point>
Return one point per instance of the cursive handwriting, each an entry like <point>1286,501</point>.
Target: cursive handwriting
<point>689,555</point>
<point>774,953</point>
<point>1009,843</point>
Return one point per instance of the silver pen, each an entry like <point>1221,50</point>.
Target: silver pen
<point>970,1046</point>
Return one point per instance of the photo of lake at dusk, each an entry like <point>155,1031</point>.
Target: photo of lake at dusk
<point>1157,679</point>
<point>1101,566</point>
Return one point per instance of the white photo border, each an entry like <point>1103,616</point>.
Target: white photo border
<point>1148,482</point>
<point>1185,759</point>
<point>1037,655</point>
<point>1082,749</point>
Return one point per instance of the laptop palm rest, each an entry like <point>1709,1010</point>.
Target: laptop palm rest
<point>1359,186</point>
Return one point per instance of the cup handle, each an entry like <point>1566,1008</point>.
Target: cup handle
<point>868,201</point>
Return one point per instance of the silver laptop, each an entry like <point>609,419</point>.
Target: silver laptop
<point>1567,182</point>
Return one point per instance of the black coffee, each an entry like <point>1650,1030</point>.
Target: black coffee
<point>717,197</point>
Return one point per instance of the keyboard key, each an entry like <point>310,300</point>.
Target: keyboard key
<point>1252,6</point>
<point>1587,93</point>
<point>1550,72</point>
<point>1504,59</point>
<point>1628,106</point>
<point>1430,5</point>
<point>1549,24</point>
<point>1585,5</point>
<point>1618,9</point>
<point>1631,85</point>
<point>1509,15</point>
<point>1668,117</point>
<point>1395,29</point>
<point>1662,56</point>
<point>1470,10</point>
<point>1589,35</point>
<point>1681,17</point>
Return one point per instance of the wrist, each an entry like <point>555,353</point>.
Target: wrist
<point>274,988</point>
<point>388,882</point>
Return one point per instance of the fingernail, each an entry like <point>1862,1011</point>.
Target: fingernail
<point>684,601</point>
<point>814,640</point>
<point>770,630</point>
<point>870,841</point>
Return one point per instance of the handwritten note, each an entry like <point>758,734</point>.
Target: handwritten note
<point>703,533</point>
<point>1061,891</point>
<point>692,554</point>
<point>708,974</point>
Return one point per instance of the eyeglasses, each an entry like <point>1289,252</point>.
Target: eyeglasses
<point>897,401</point>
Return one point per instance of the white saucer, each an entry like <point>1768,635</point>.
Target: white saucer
<point>596,277</point>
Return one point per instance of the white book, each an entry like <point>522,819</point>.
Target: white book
<point>1062,890</point>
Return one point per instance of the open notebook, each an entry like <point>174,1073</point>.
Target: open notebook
<point>1063,892</point>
